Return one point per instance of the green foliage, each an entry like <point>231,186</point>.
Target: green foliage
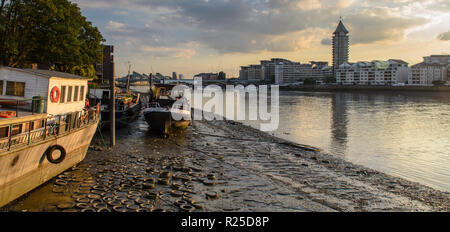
<point>84,71</point>
<point>51,32</point>
<point>222,75</point>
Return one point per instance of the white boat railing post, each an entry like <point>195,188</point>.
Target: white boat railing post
<point>29,131</point>
<point>9,137</point>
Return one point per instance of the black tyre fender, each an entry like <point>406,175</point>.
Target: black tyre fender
<point>51,149</point>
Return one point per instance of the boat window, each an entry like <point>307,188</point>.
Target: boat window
<point>14,88</point>
<point>63,94</point>
<point>4,131</point>
<point>69,94</point>
<point>1,87</point>
<point>82,93</point>
<point>75,93</point>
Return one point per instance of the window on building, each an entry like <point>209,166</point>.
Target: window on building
<point>1,87</point>
<point>81,93</point>
<point>62,98</point>
<point>15,88</point>
<point>69,94</point>
<point>75,93</point>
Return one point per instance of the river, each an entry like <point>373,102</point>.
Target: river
<point>404,134</point>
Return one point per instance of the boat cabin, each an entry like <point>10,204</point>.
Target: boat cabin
<point>62,92</point>
<point>33,100</point>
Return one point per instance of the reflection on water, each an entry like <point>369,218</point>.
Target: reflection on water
<point>339,123</point>
<point>404,134</point>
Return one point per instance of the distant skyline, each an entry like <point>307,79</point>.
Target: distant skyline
<point>193,36</point>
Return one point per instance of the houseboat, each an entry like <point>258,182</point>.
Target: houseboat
<point>46,127</point>
<point>128,106</point>
<point>162,114</point>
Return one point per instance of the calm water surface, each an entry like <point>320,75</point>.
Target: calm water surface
<point>404,134</point>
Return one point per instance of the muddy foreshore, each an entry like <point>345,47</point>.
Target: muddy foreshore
<point>221,166</point>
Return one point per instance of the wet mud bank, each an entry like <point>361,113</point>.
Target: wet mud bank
<point>221,166</point>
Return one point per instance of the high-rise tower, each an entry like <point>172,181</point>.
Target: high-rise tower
<point>340,45</point>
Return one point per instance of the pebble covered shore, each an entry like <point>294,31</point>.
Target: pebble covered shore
<point>221,166</point>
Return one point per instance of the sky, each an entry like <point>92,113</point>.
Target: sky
<point>194,36</point>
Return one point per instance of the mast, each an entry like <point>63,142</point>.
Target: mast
<point>112,110</point>
<point>128,79</point>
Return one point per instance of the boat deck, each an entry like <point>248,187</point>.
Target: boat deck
<point>19,114</point>
<point>26,129</point>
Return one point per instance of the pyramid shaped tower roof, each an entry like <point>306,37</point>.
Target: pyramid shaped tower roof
<point>340,28</point>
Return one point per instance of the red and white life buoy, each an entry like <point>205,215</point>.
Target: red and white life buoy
<point>54,98</point>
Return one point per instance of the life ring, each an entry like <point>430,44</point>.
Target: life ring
<point>54,98</point>
<point>50,151</point>
<point>7,114</point>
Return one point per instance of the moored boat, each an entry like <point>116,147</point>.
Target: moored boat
<point>42,140</point>
<point>128,107</point>
<point>162,114</point>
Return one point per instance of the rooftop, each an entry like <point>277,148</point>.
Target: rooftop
<point>45,73</point>
<point>398,61</point>
<point>424,64</point>
<point>340,28</point>
<point>440,56</point>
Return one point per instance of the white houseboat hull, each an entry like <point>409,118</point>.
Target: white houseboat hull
<point>24,169</point>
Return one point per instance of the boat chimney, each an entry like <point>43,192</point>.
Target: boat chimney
<point>34,66</point>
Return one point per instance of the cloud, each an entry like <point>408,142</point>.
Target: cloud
<point>121,12</point>
<point>440,5</point>
<point>309,4</point>
<point>116,27</point>
<point>376,25</point>
<point>326,41</point>
<point>445,36</point>
<point>345,3</point>
<point>226,26</point>
<point>249,26</point>
<point>138,36</point>
<point>169,52</point>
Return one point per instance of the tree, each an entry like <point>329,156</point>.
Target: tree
<point>51,32</point>
<point>222,75</point>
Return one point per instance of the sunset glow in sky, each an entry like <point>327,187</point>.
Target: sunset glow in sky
<point>193,36</point>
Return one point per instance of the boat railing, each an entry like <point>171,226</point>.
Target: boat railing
<point>30,131</point>
<point>23,106</point>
